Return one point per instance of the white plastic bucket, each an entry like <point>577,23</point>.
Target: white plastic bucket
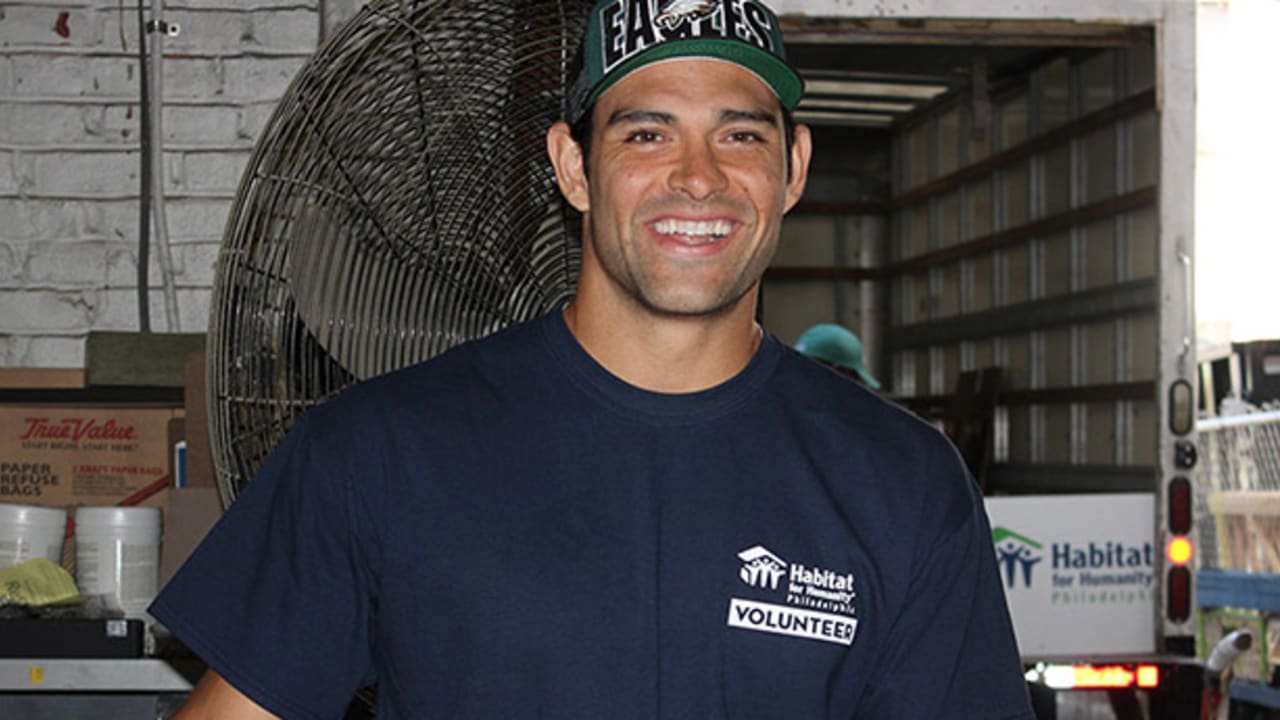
<point>118,555</point>
<point>28,532</point>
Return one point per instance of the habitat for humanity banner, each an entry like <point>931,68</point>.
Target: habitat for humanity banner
<point>1078,571</point>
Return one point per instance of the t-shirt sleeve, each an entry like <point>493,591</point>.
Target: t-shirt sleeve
<point>278,597</point>
<point>950,652</point>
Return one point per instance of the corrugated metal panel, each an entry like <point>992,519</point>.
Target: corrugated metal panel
<point>997,307</point>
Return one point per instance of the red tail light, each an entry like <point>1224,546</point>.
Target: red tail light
<point>1179,506</point>
<point>1178,594</point>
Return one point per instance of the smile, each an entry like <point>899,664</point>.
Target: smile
<point>694,232</point>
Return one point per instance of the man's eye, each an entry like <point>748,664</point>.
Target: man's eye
<point>745,136</point>
<point>643,136</point>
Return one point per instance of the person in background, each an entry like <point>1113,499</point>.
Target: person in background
<point>639,506</point>
<point>837,347</point>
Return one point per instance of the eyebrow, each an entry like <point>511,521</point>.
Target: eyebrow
<point>620,117</point>
<point>753,116</point>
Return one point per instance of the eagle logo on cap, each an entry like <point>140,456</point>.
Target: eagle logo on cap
<point>677,11</point>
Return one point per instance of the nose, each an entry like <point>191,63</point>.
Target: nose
<point>697,172</point>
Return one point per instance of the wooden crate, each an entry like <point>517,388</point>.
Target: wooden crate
<point>1248,529</point>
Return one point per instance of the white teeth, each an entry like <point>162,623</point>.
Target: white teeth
<point>715,229</point>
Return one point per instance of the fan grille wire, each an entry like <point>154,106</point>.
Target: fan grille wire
<point>398,203</point>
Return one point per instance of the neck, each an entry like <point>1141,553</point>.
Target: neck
<point>668,354</point>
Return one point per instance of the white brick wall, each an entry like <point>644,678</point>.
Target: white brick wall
<point>69,133</point>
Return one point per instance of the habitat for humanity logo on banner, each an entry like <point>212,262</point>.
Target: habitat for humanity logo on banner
<point>1092,570</point>
<point>1018,556</point>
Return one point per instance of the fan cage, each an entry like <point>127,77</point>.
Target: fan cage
<point>399,202</point>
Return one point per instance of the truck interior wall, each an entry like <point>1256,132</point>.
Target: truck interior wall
<point>1044,265</point>
<point>1059,178</point>
<point>821,233</point>
<point>815,240</point>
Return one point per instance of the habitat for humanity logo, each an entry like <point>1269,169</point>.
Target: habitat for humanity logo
<point>1018,555</point>
<point>761,568</point>
<point>1079,571</point>
<point>819,602</point>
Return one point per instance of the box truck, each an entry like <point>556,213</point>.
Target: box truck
<point>1001,205</point>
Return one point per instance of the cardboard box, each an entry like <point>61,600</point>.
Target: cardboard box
<point>42,378</point>
<point>67,456</point>
<point>192,512</point>
<point>200,470</point>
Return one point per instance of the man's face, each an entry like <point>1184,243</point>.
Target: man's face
<point>687,186</point>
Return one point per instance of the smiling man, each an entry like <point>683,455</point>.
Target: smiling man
<point>641,506</point>
<point>683,193</point>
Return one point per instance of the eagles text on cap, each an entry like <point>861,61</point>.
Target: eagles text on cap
<point>630,27</point>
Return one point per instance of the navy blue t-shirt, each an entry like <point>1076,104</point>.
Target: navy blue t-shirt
<point>509,531</point>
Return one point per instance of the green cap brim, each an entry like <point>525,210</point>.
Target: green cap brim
<point>871,382</point>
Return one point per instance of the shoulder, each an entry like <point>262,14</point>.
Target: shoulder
<point>467,380</point>
<point>908,465</point>
<point>872,422</point>
<point>506,353</point>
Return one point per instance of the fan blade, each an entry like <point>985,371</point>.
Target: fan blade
<point>354,299</point>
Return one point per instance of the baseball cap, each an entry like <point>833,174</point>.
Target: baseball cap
<point>623,36</point>
<point>835,345</point>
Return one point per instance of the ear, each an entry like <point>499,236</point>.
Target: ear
<point>801,151</point>
<point>566,158</point>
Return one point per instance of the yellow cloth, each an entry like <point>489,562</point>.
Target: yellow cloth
<point>36,582</point>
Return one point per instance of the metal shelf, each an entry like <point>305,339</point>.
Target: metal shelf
<point>146,675</point>
<point>1255,693</point>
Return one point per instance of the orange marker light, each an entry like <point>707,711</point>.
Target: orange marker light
<point>1103,676</point>
<point>1114,676</point>
<point>1179,550</point>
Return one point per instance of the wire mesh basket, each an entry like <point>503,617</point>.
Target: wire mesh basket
<point>1239,492</point>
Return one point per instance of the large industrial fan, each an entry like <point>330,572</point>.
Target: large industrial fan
<point>398,203</point>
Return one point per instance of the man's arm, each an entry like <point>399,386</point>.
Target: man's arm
<point>235,601</point>
<point>216,699</point>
